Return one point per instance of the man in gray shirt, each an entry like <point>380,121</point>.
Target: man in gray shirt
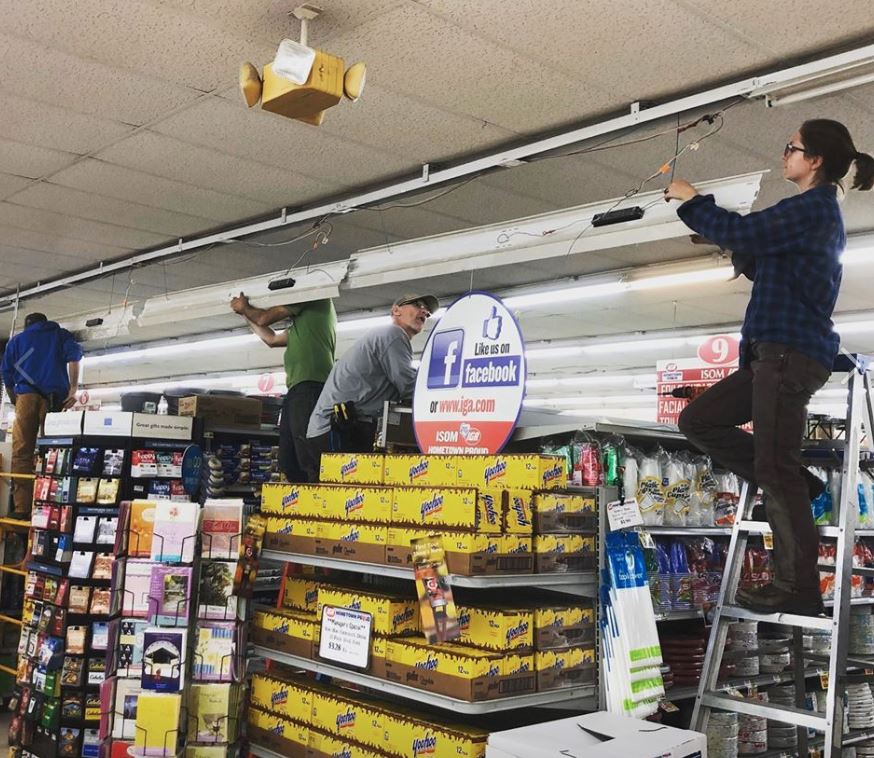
<point>375,369</point>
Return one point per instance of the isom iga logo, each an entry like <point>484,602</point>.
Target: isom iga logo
<point>444,369</point>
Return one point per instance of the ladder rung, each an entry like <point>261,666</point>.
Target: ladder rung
<point>868,600</point>
<point>783,713</point>
<point>790,619</point>
<point>763,527</point>
<point>857,570</point>
<point>14,523</point>
<point>12,570</point>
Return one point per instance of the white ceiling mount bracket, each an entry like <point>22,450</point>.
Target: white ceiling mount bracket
<point>306,13</point>
<point>426,172</point>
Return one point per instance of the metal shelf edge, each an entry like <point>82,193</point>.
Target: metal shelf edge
<point>424,696</point>
<point>581,579</point>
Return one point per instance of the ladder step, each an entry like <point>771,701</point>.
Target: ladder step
<point>782,713</point>
<point>763,527</point>
<point>789,619</point>
<point>830,568</point>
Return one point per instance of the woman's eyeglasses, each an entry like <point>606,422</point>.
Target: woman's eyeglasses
<point>790,148</point>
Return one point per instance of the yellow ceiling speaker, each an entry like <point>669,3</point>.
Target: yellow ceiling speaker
<point>353,82</point>
<point>250,84</point>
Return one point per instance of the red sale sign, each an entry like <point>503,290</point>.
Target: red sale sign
<point>471,380</point>
<point>717,358</point>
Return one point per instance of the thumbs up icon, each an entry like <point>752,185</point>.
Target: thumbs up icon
<point>492,325</point>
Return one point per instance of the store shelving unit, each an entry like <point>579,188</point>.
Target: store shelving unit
<point>578,584</point>
<point>466,707</point>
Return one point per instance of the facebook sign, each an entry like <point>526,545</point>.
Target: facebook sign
<point>444,368</point>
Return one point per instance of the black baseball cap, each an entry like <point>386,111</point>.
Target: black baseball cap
<point>429,301</point>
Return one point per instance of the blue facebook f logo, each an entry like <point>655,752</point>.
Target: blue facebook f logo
<point>444,370</point>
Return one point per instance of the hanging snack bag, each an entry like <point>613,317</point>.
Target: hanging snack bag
<point>677,491</point>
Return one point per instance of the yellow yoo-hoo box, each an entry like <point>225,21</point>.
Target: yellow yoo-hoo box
<point>496,628</point>
<point>417,738</point>
<point>348,718</point>
<point>301,593</point>
<point>327,746</point>
<point>517,513</point>
<point>452,507</point>
<point>285,698</point>
<point>391,615</point>
<point>529,472</point>
<point>279,728</point>
<point>357,503</point>
<point>303,500</point>
<point>563,502</point>
<point>351,468</point>
<point>421,470</point>
<point>490,507</point>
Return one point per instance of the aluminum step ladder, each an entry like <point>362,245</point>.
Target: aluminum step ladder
<point>713,697</point>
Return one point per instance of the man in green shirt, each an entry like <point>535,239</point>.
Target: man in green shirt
<point>309,343</point>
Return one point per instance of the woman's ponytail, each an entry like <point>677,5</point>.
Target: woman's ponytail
<point>864,179</point>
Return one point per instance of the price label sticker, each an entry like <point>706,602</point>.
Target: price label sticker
<point>823,679</point>
<point>345,636</point>
<point>623,514</point>
<point>768,539</point>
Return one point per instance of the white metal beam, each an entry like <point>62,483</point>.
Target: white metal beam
<point>750,87</point>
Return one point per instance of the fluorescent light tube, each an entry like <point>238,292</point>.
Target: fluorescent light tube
<point>702,276</point>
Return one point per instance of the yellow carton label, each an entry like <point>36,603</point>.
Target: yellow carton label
<point>563,502</point>
<point>297,527</point>
<point>496,629</point>
<point>292,500</point>
<point>421,470</point>
<point>513,544</point>
<point>339,748</point>
<point>528,472</point>
<point>355,468</point>
<point>404,535</point>
<point>517,518</point>
<point>419,739</point>
<point>290,623</point>
<point>518,663</point>
<point>301,593</point>
<point>490,506</point>
<point>563,617</point>
<point>469,542</point>
<point>564,658</point>
<point>281,727</point>
<point>285,698</point>
<point>569,544</point>
<point>454,660</point>
<point>390,615</point>
<point>435,506</point>
<point>357,503</point>
<point>348,718</point>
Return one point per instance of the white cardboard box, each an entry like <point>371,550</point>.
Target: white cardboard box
<point>63,424</point>
<point>627,738</point>
<point>108,423</point>
<point>154,426</point>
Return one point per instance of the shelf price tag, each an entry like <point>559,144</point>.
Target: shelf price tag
<point>768,539</point>
<point>345,636</point>
<point>623,514</point>
<point>823,679</point>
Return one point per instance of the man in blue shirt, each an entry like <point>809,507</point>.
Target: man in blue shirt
<point>41,374</point>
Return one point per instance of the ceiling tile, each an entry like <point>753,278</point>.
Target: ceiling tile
<point>101,208</point>
<point>790,30</point>
<point>258,135</point>
<point>30,160</point>
<point>163,41</point>
<point>80,229</point>
<point>10,184</point>
<point>652,50</point>
<point>110,180</point>
<point>109,92</point>
<point>31,240</point>
<point>160,155</point>
<point>45,125</point>
<point>417,53</point>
